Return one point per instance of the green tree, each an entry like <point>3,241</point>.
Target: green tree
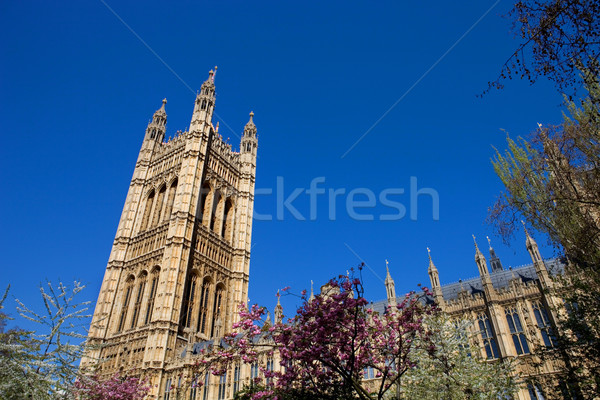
<point>16,346</point>
<point>43,364</point>
<point>447,368</point>
<point>553,181</point>
<point>559,38</point>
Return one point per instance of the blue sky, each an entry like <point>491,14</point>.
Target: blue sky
<point>78,88</point>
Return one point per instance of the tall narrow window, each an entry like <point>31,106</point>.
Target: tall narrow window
<point>125,305</point>
<point>151,296</point>
<point>189,302</point>
<point>194,389</point>
<point>167,389</point>
<point>516,331</point>
<point>236,378</point>
<point>534,392</point>
<point>216,323</point>
<point>228,220</point>
<point>204,194</point>
<point>215,206</point>
<point>138,300</point>
<point>254,373</point>
<point>487,335</point>
<point>543,323</point>
<point>222,386</point>
<point>147,210</point>
<point>203,309</point>
<point>170,200</point>
<point>206,386</point>
<point>159,205</point>
<point>269,371</point>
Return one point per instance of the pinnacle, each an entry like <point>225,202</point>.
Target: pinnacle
<point>250,124</point>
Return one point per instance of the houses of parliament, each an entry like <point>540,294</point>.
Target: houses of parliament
<point>179,267</point>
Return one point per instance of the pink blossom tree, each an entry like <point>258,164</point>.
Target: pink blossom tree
<point>117,387</point>
<point>329,344</point>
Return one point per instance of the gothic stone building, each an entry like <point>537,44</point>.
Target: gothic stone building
<point>512,311</point>
<point>179,264</point>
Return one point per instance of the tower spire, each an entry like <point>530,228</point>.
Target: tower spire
<point>158,126</point>
<point>434,277</point>
<point>494,259</point>
<point>249,141</point>
<point>278,310</point>
<point>312,293</point>
<point>480,259</point>
<point>205,104</point>
<point>390,286</point>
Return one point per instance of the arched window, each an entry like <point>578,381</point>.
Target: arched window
<point>217,321</point>
<point>147,210</point>
<point>159,205</point>
<point>188,306</point>
<point>204,194</point>
<point>215,206</point>
<point>125,304</point>
<point>516,331</point>
<point>487,335</point>
<point>203,309</point>
<point>170,200</point>
<point>203,106</point>
<point>228,219</point>
<point>151,295</point>
<point>138,299</point>
<point>544,325</point>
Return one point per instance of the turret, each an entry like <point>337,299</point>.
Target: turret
<point>536,257</point>
<point>486,281</point>
<point>435,280</point>
<point>249,141</point>
<point>390,287</point>
<point>205,103</point>
<point>480,260</point>
<point>494,259</point>
<point>158,126</point>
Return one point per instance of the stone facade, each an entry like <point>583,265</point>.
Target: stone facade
<point>179,265</point>
<point>512,311</point>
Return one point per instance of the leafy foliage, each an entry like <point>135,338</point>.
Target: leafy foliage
<point>553,181</point>
<point>560,38</point>
<point>43,364</point>
<point>447,368</point>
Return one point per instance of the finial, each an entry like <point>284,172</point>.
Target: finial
<point>278,297</point>
<point>251,115</point>
<point>461,285</point>
<point>525,228</point>
<point>312,294</point>
<point>475,240</point>
<point>162,107</point>
<point>214,73</point>
<point>217,127</point>
<point>489,241</point>
<point>429,253</point>
<point>387,266</point>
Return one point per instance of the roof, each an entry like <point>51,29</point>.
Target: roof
<point>500,280</point>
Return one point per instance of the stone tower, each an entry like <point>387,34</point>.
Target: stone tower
<point>179,265</point>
